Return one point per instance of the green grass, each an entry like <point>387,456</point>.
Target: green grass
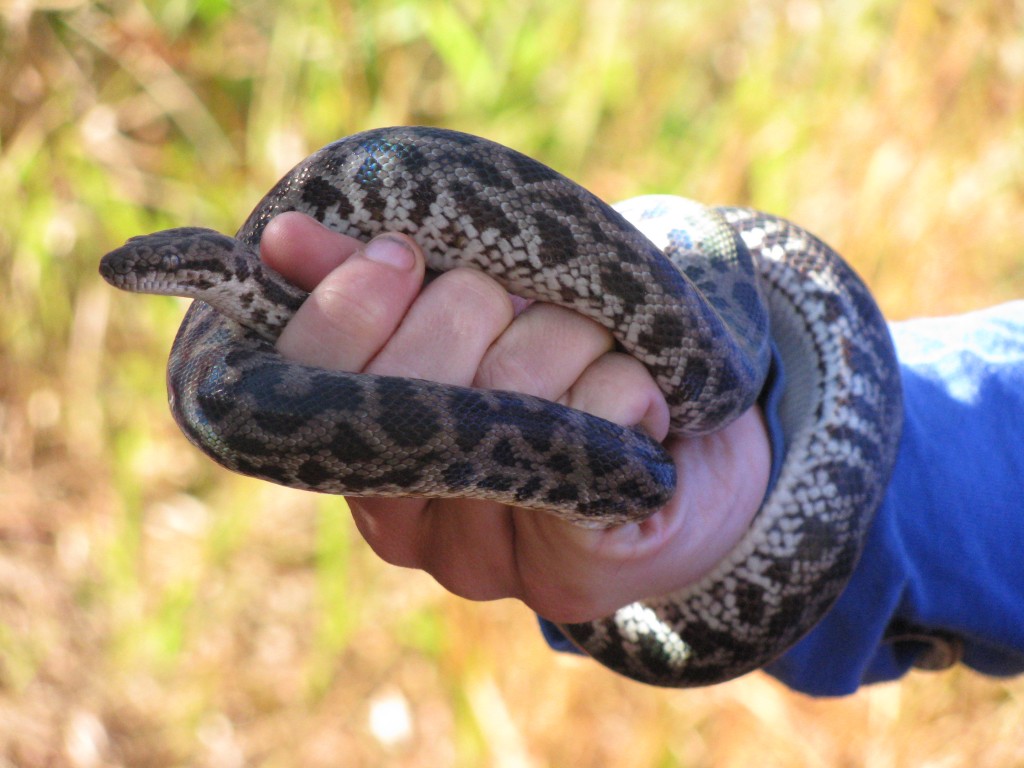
<point>156,611</point>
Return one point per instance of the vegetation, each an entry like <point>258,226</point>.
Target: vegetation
<point>156,611</point>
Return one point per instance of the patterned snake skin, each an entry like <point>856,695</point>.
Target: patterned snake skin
<point>690,291</point>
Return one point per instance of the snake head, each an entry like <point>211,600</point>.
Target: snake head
<point>170,263</point>
<point>198,263</point>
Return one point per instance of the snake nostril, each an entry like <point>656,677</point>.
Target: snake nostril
<point>106,269</point>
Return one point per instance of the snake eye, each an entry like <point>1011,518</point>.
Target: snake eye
<point>169,257</point>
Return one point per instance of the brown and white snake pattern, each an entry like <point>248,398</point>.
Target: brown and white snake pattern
<point>697,294</point>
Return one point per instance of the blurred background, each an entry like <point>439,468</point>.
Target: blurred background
<point>157,611</point>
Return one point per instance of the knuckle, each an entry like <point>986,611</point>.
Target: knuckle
<point>475,297</point>
<point>616,387</point>
<point>355,303</point>
<point>468,309</point>
<point>508,369</point>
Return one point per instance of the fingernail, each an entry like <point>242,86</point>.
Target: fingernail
<point>392,251</point>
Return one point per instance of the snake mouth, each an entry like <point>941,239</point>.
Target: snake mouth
<point>114,268</point>
<point>130,268</point>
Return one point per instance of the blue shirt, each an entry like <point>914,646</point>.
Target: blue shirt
<point>942,574</point>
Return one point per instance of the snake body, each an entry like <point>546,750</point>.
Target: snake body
<point>690,291</point>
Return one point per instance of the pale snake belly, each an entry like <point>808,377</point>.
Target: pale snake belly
<point>697,294</point>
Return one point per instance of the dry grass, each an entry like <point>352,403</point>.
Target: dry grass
<point>155,611</point>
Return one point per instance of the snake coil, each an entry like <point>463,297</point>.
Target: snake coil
<point>699,295</point>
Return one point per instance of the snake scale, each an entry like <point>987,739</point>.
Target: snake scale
<point>690,291</point>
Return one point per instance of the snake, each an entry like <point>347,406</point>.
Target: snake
<point>712,300</point>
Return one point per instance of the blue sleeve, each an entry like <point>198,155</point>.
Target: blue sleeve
<point>941,579</point>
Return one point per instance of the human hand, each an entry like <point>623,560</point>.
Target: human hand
<point>369,311</point>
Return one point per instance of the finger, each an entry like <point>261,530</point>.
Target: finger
<point>304,250</point>
<point>619,388</point>
<point>392,527</point>
<point>469,548</point>
<point>448,329</point>
<point>464,544</point>
<point>557,354</point>
<point>355,309</point>
<point>543,352</point>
